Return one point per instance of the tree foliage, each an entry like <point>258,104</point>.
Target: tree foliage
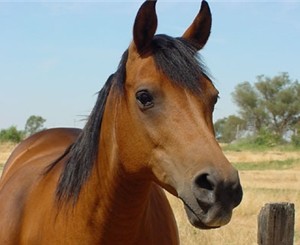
<point>34,124</point>
<point>296,135</point>
<point>228,129</point>
<point>271,104</point>
<point>11,134</point>
<point>250,105</point>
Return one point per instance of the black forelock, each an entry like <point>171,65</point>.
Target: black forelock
<point>178,59</point>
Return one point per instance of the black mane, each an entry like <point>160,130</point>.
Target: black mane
<point>176,58</point>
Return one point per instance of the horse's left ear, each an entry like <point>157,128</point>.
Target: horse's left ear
<point>145,25</point>
<point>199,30</point>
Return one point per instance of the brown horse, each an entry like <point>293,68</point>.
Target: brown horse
<point>151,127</point>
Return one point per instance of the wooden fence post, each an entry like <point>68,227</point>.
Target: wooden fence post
<point>276,224</point>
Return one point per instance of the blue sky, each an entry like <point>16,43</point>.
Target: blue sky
<point>55,55</point>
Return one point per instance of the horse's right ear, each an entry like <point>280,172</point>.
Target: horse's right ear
<point>145,25</point>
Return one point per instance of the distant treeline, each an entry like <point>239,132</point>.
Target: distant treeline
<point>33,125</point>
<point>269,112</point>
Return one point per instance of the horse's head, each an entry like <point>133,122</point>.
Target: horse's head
<point>164,120</point>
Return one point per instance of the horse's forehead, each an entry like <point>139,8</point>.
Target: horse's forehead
<point>142,68</point>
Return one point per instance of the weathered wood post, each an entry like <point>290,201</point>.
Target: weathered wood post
<point>276,224</point>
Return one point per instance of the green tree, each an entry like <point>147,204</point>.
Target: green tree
<point>281,99</point>
<point>229,128</point>
<point>34,124</point>
<point>271,103</point>
<point>219,128</point>
<point>250,105</point>
<point>11,134</point>
<point>296,134</point>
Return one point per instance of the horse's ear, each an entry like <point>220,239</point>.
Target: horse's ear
<point>199,30</point>
<point>145,25</point>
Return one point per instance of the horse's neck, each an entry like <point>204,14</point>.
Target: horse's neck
<point>118,203</point>
<point>120,207</point>
<point>132,210</point>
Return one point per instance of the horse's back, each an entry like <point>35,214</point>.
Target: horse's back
<point>45,143</point>
<point>23,171</point>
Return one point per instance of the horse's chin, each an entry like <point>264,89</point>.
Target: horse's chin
<point>212,218</point>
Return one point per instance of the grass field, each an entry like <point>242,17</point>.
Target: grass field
<point>266,176</point>
<point>5,150</point>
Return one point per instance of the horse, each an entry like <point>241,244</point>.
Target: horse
<point>150,130</point>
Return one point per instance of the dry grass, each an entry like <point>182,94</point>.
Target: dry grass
<point>248,156</point>
<point>5,150</point>
<point>260,187</point>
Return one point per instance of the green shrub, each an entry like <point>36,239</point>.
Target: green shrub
<point>267,138</point>
<point>12,134</point>
<point>263,140</point>
<point>296,140</point>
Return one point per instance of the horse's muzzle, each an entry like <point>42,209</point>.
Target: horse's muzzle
<point>212,198</point>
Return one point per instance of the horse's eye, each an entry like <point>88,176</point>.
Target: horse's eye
<point>145,99</point>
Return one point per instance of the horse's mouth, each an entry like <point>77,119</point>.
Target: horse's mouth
<point>207,217</point>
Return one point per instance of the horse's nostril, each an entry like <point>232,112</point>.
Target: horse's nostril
<point>237,195</point>
<point>214,195</point>
<point>205,181</point>
<point>210,188</point>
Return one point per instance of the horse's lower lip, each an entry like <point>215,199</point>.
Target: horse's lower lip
<point>195,220</point>
<point>202,219</point>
